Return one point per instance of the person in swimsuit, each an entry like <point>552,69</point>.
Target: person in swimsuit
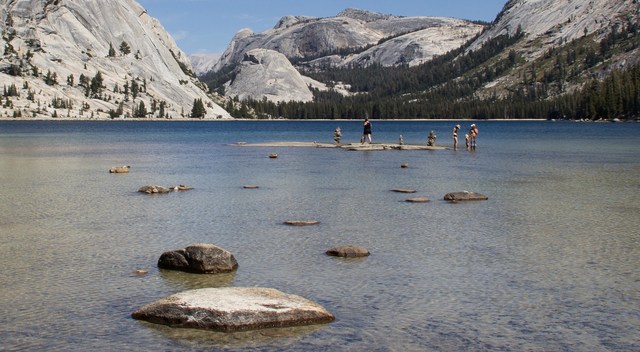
<point>473,133</point>
<point>455,136</point>
<point>366,133</point>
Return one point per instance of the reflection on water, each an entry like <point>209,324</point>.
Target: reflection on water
<point>549,262</point>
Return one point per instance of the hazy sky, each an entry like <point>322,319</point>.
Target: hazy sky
<point>207,26</point>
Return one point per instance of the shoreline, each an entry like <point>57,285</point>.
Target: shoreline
<point>81,119</point>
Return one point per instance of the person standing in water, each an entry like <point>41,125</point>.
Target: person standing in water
<point>474,133</point>
<point>366,133</point>
<point>455,136</point>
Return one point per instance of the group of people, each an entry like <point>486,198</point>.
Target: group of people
<point>469,138</point>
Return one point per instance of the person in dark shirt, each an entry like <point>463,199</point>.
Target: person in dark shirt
<point>366,133</point>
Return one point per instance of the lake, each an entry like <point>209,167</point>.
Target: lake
<point>549,263</point>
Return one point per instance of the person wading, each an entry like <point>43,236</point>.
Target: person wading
<point>455,136</point>
<point>366,133</point>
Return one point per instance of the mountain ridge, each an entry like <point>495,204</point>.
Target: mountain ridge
<point>354,37</point>
<point>70,40</point>
<point>568,59</point>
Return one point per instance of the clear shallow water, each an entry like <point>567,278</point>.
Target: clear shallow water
<point>549,262</point>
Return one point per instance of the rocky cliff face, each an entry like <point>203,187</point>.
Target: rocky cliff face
<point>557,21</point>
<point>54,48</point>
<point>549,25</point>
<point>268,74</point>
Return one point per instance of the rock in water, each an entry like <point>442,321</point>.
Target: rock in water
<point>418,200</point>
<point>199,259</point>
<point>230,309</point>
<point>350,251</point>
<point>119,169</point>
<point>403,190</point>
<point>464,196</point>
<point>154,189</point>
<point>301,222</point>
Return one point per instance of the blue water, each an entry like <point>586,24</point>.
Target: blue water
<point>549,262</point>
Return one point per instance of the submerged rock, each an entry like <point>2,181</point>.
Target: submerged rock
<point>120,169</point>
<point>418,200</point>
<point>230,309</point>
<point>403,190</point>
<point>154,189</point>
<point>140,272</point>
<point>161,189</point>
<point>301,222</point>
<point>199,259</point>
<point>350,251</point>
<point>464,196</point>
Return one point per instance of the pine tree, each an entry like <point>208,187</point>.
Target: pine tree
<point>51,78</point>
<point>112,51</point>
<point>125,49</point>
<point>135,88</point>
<point>96,85</point>
<point>161,113</point>
<point>198,110</point>
<point>140,111</point>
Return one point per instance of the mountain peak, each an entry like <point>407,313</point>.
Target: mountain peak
<point>363,15</point>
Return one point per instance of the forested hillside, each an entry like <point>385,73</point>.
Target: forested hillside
<point>582,79</point>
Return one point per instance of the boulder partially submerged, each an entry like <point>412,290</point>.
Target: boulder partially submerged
<point>199,259</point>
<point>301,222</point>
<point>119,169</point>
<point>464,196</point>
<point>349,251</point>
<point>161,189</point>
<point>403,190</point>
<point>230,309</point>
<point>418,200</point>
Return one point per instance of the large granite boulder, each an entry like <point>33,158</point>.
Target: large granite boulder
<point>464,196</point>
<point>349,251</point>
<point>230,309</point>
<point>199,259</point>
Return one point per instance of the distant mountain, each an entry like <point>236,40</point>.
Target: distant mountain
<point>203,63</point>
<point>353,38</point>
<point>538,59</point>
<point>93,58</point>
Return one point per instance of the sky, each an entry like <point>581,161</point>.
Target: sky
<point>207,26</point>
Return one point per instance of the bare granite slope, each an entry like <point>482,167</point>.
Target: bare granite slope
<point>67,40</point>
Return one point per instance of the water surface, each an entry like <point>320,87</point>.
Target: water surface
<point>549,262</point>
